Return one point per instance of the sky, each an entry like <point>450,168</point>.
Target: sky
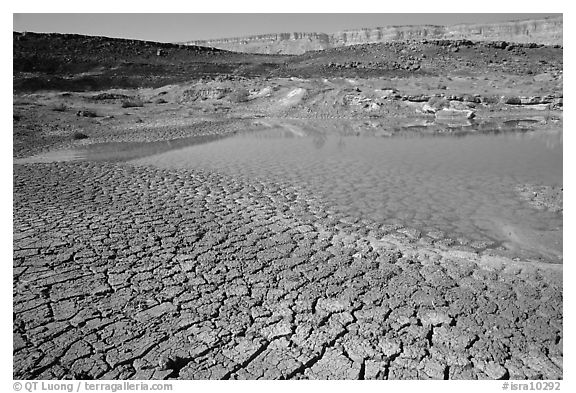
<point>163,27</point>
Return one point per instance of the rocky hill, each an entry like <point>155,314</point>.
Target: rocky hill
<point>75,62</point>
<point>543,31</point>
<point>79,62</point>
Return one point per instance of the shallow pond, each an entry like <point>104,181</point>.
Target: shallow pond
<point>462,188</point>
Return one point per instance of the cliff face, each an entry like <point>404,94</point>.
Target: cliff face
<point>542,31</point>
<point>280,43</point>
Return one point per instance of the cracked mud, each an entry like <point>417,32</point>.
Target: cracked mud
<point>144,273</point>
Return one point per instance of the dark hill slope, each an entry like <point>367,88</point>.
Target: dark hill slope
<point>76,62</point>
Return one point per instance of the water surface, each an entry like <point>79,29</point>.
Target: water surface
<point>457,187</point>
<point>463,186</point>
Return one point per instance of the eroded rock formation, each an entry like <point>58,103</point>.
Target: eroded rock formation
<point>543,31</point>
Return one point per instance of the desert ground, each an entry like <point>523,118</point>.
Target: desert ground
<point>132,271</point>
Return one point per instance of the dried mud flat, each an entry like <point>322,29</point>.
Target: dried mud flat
<point>153,274</point>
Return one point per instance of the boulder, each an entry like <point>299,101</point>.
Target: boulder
<point>455,114</point>
<point>463,106</point>
<point>417,98</point>
<point>489,99</point>
<point>511,100</point>
<point>470,98</point>
<point>388,93</point>
<point>356,99</point>
<point>435,104</point>
<point>86,113</point>
<point>530,100</point>
<point>374,106</point>
<point>455,97</point>
<point>545,77</point>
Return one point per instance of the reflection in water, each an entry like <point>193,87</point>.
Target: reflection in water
<point>118,151</point>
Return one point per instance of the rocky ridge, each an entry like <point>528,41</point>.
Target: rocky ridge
<point>544,31</point>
